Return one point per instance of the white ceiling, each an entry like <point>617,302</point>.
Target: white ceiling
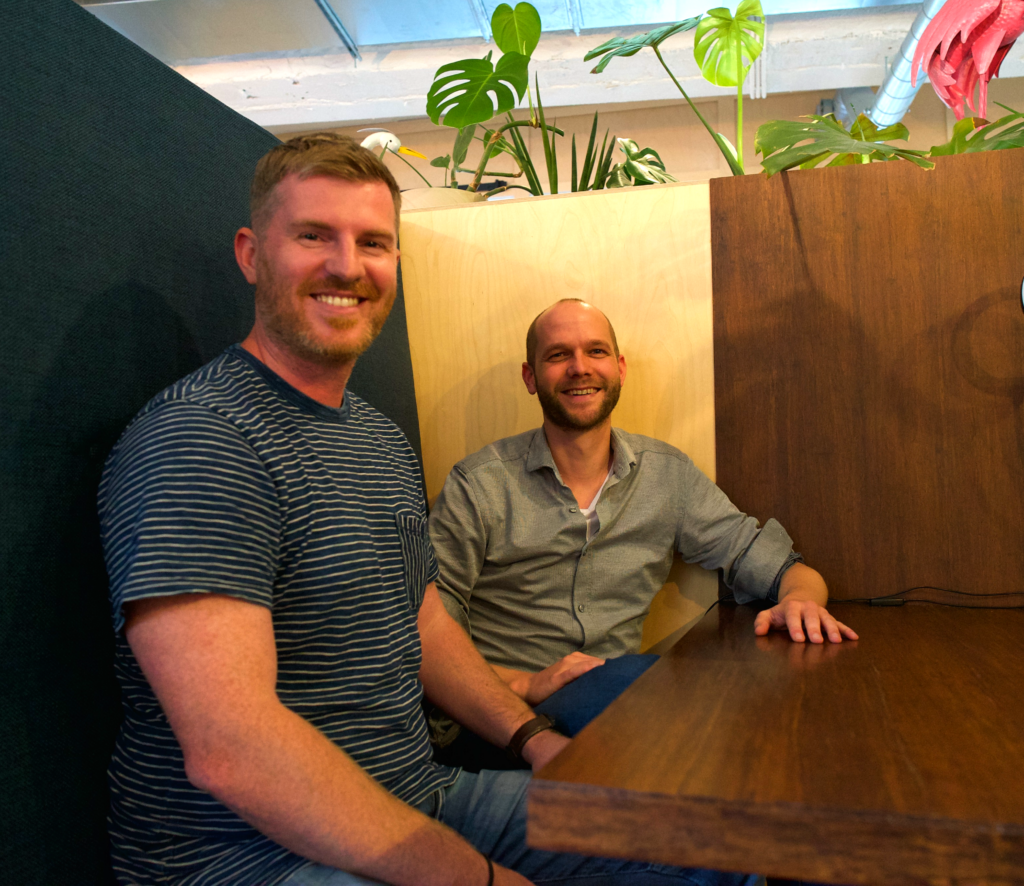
<point>179,31</point>
<point>282,63</point>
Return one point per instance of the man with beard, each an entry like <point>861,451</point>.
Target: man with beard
<point>551,544</point>
<point>272,584</point>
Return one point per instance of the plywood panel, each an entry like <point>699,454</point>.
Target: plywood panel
<point>476,276</point>
<point>869,365</point>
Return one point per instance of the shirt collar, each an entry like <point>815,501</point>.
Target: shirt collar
<point>539,455</point>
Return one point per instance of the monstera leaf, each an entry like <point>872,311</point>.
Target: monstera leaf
<point>976,134</point>
<point>726,45</point>
<point>642,166</point>
<point>788,143</point>
<point>516,30</point>
<point>475,90</point>
<point>626,46</point>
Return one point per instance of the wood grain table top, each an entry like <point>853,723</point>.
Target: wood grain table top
<point>893,759</point>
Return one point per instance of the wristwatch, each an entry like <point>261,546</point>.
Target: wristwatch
<point>540,723</point>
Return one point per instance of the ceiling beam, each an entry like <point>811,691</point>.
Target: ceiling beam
<point>339,28</point>
<point>808,52</point>
<point>482,19</point>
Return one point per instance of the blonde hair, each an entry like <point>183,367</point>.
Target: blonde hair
<point>322,153</point>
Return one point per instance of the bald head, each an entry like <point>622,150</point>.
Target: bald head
<point>563,306</point>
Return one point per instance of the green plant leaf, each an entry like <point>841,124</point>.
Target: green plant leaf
<point>462,142</point>
<point>643,165</point>
<point>604,166</point>
<point>588,160</point>
<point>626,46</point>
<point>785,144</point>
<point>618,177</point>
<point>516,30</point>
<point>725,45</point>
<point>974,134</point>
<point>441,162</point>
<point>550,154</point>
<point>462,91</point>
<point>524,160</point>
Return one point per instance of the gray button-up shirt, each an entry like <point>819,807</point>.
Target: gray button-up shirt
<point>518,573</point>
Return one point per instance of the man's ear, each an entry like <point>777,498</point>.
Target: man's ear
<point>622,368</point>
<point>529,379</point>
<point>245,252</point>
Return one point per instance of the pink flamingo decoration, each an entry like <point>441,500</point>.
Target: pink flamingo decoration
<point>965,44</point>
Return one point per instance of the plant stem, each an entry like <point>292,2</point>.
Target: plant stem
<point>492,141</point>
<point>693,107</point>
<point>413,168</point>
<point>739,107</point>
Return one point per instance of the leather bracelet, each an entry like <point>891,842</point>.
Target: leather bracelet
<point>540,723</point>
<point>490,870</point>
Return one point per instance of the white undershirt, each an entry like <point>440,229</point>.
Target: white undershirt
<point>590,512</point>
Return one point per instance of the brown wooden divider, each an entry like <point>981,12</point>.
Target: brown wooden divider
<point>869,367</point>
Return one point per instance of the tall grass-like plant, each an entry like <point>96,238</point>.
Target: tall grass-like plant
<point>468,93</point>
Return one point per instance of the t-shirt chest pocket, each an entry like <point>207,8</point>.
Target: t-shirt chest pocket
<point>416,554</point>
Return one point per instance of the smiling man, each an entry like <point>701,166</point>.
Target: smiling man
<point>272,585</point>
<point>552,543</point>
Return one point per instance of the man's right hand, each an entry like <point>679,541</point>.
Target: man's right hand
<point>534,688</point>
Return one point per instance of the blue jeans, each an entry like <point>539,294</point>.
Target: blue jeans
<point>489,810</point>
<point>572,707</point>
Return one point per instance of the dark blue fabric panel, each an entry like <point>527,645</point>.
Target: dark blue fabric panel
<point>121,186</point>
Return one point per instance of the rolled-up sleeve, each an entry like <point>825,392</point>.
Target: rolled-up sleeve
<point>459,537</point>
<point>714,533</point>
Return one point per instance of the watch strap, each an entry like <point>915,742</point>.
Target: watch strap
<point>540,723</point>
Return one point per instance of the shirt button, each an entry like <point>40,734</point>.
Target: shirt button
<point>580,607</point>
<point>573,509</point>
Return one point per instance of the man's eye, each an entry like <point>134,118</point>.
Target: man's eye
<point>309,235</point>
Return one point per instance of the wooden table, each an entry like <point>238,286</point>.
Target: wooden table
<point>895,759</point>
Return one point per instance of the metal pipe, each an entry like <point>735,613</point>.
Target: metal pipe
<point>896,93</point>
<point>339,28</point>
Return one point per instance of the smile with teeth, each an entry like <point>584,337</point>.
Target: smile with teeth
<point>338,301</point>
<point>581,392</point>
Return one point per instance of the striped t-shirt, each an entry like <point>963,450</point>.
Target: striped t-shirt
<point>233,482</point>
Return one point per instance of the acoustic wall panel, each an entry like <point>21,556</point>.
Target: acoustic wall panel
<point>122,186</point>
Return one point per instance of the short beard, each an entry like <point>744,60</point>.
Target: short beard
<point>560,417</point>
<point>286,325</point>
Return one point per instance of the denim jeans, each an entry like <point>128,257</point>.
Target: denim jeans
<point>572,707</point>
<point>489,810</point>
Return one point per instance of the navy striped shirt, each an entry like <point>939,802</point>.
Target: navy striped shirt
<point>233,482</point>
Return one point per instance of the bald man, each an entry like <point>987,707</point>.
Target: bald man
<point>552,544</point>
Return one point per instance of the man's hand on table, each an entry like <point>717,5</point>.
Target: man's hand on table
<point>534,688</point>
<point>801,610</point>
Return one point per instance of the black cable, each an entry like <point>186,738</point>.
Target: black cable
<point>898,599</point>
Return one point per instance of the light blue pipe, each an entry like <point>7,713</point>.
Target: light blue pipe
<point>895,94</point>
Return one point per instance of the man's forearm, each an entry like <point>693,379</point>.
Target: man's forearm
<point>212,662</point>
<point>456,678</point>
<point>517,681</point>
<point>294,785</point>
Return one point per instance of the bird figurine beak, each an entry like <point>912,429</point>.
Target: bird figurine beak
<point>411,152</point>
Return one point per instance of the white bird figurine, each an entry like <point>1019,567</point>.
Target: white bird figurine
<point>388,141</point>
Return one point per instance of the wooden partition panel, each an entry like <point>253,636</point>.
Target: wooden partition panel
<point>475,276</point>
<point>869,367</point>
